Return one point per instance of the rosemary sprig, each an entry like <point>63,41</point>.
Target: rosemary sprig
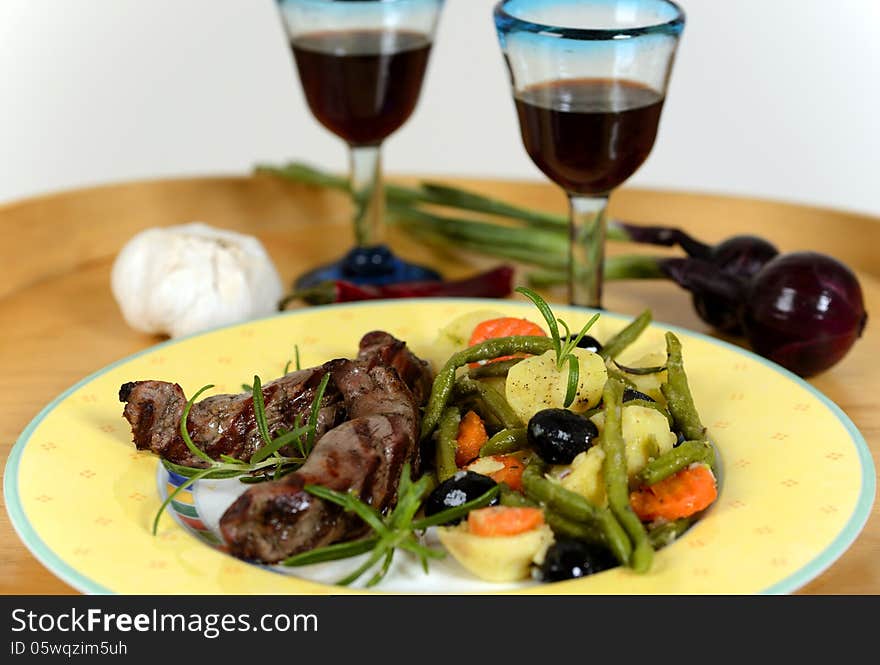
<point>295,361</point>
<point>312,426</point>
<point>260,411</point>
<point>265,462</point>
<point>247,387</point>
<point>564,348</point>
<point>397,530</point>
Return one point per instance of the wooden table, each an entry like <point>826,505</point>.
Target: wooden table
<point>59,322</point>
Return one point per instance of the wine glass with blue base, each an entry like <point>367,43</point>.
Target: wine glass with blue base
<point>361,64</point>
<point>589,79</point>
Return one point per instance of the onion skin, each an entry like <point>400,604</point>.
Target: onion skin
<point>804,311</point>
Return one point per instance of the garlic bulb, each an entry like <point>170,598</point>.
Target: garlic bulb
<point>183,279</point>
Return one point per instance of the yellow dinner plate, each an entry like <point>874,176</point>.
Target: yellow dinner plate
<point>797,479</point>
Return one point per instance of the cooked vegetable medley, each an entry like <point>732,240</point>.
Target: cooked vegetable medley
<point>547,458</point>
<point>599,465</point>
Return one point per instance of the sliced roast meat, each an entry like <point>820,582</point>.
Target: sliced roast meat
<point>365,454</point>
<point>378,346</point>
<point>223,424</point>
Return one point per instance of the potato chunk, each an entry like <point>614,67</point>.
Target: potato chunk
<point>647,436</point>
<point>585,476</point>
<point>496,558</point>
<point>535,383</point>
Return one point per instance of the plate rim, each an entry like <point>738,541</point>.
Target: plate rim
<point>56,565</point>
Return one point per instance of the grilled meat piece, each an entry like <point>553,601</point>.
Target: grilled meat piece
<point>379,346</point>
<point>225,424</point>
<point>365,454</point>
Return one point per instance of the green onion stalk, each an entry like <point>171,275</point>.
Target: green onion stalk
<point>404,209</point>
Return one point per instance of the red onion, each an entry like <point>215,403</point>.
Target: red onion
<point>804,311</point>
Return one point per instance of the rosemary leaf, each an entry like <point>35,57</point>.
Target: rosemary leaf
<point>350,503</point>
<point>277,444</point>
<point>380,575</point>
<point>183,486</point>
<point>260,411</point>
<point>312,427</point>
<point>574,375</point>
<point>547,313</point>
<point>331,552</point>
<point>184,430</point>
<point>378,553</point>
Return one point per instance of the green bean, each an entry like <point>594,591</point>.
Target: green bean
<point>514,499</point>
<point>504,442</point>
<point>614,373</point>
<point>577,509</point>
<point>568,528</point>
<point>675,460</point>
<point>589,413</point>
<point>666,533</point>
<point>447,443</point>
<point>561,525</point>
<point>678,393</point>
<point>493,400</point>
<point>614,346</point>
<point>474,403</point>
<point>488,350</point>
<point>494,370</point>
<point>616,481</point>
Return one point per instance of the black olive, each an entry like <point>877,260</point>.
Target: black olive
<point>558,435</point>
<point>464,486</point>
<point>630,394</point>
<point>567,559</point>
<point>589,343</point>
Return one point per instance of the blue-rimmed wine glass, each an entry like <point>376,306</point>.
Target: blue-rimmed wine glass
<point>589,80</point>
<point>361,64</point>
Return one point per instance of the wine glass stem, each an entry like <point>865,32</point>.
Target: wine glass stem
<point>368,194</point>
<point>586,249</point>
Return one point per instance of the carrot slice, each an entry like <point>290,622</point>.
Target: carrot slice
<point>504,520</point>
<point>687,492</point>
<point>506,326</point>
<point>471,437</point>
<point>511,473</point>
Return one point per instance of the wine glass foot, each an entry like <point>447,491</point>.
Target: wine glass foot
<point>369,265</point>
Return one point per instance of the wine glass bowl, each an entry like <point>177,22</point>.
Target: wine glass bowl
<point>589,80</point>
<point>361,64</point>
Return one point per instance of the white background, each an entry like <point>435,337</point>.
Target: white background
<point>769,98</point>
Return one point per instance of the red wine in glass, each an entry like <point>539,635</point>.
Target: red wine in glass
<point>588,135</point>
<point>362,85</point>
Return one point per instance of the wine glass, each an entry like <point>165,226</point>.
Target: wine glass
<point>589,80</point>
<point>361,64</point>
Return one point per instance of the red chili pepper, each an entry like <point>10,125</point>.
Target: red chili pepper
<point>495,283</point>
